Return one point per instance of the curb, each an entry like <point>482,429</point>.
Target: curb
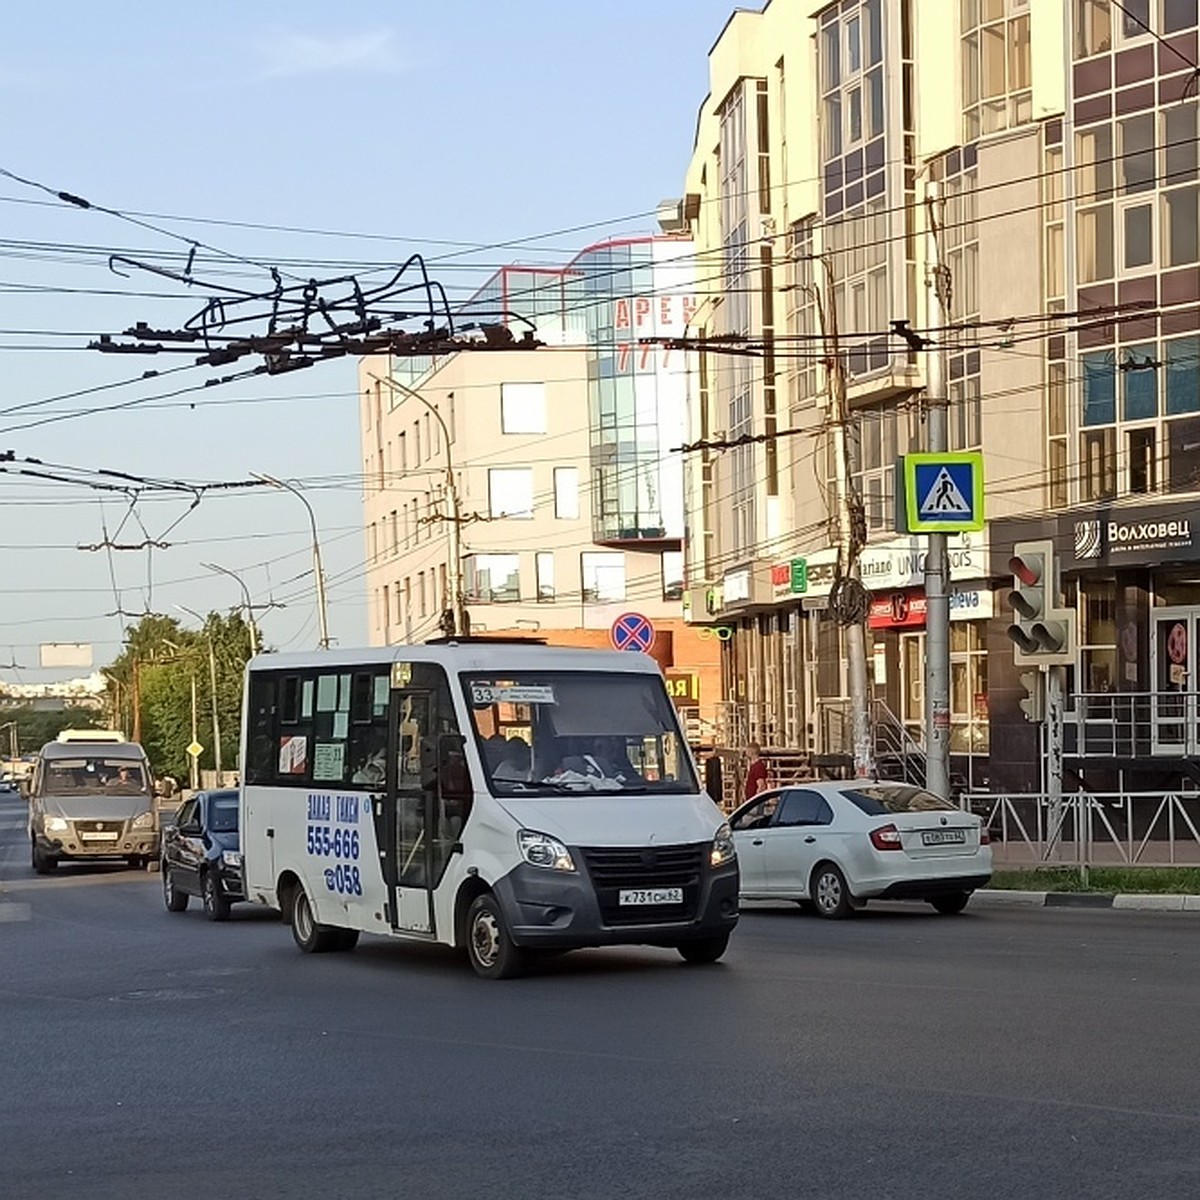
<point>1140,901</point>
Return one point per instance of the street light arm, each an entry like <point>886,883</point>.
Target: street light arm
<point>318,568</point>
<point>254,643</point>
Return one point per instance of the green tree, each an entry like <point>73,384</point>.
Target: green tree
<point>150,684</point>
<point>36,727</point>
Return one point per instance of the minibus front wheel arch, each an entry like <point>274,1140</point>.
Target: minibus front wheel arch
<point>472,886</point>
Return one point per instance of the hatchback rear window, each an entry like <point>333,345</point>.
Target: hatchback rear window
<point>878,800</point>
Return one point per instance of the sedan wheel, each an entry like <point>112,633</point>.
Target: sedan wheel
<point>173,898</point>
<point>216,906</point>
<point>951,904</point>
<point>830,893</point>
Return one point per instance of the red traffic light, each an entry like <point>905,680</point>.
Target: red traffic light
<point>1028,570</point>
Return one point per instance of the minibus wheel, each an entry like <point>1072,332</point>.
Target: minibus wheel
<point>310,937</point>
<point>492,952</point>
<point>704,950</point>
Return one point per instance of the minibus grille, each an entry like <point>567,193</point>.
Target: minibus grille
<point>614,870</point>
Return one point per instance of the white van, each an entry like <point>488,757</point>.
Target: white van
<point>506,797</point>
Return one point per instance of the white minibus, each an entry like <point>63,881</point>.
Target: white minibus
<point>507,797</point>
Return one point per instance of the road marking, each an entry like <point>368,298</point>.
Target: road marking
<point>12,911</point>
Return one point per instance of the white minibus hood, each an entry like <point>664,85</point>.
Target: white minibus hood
<point>602,819</point>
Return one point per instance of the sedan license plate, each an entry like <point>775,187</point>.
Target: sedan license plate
<point>105,836</point>
<point>650,896</point>
<point>944,837</point>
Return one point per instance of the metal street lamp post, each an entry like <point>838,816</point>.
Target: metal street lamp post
<point>318,570</point>
<point>462,621</point>
<point>212,676</point>
<point>254,639</point>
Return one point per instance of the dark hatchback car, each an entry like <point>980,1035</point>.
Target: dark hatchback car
<point>201,854</point>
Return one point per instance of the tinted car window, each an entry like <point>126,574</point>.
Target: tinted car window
<point>804,808</point>
<point>223,814</point>
<point>878,800</point>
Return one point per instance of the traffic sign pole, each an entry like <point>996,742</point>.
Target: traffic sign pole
<point>937,597</point>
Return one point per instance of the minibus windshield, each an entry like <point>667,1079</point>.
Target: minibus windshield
<point>561,732</point>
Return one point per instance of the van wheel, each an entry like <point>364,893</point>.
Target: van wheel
<point>216,906</point>
<point>347,939</point>
<point>492,952</point>
<point>310,937</point>
<point>173,898</point>
<point>43,864</point>
<point>704,950</point>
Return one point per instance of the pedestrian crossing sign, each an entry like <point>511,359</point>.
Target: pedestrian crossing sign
<point>943,493</point>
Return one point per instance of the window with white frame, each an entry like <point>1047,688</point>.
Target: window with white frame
<point>510,492</point>
<point>522,408</point>
<point>493,578</point>
<point>603,577</point>
<point>544,567</point>
<point>566,493</point>
<point>672,575</point>
<point>997,75</point>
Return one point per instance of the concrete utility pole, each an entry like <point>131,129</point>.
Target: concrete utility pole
<point>458,606</point>
<point>937,598</point>
<point>318,570</point>
<point>848,520</point>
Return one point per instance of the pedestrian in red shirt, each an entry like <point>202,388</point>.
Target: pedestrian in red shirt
<point>756,773</point>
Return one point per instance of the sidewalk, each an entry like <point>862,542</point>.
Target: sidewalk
<point>1145,901</point>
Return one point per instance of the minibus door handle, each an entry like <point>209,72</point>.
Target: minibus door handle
<point>270,833</point>
<point>756,842</point>
<point>810,838</point>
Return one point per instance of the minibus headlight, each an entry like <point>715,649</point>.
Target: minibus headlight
<point>144,821</point>
<point>56,825</point>
<point>542,850</point>
<point>723,849</point>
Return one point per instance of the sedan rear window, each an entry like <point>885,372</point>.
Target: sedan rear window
<point>879,799</point>
<point>223,814</point>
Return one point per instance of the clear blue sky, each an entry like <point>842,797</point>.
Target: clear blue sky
<point>455,122</point>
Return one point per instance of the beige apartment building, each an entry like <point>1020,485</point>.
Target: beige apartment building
<point>558,467</point>
<point>1059,139</point>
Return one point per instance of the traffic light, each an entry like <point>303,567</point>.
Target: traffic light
<point>1034,704</point>
<point>1044,632</point>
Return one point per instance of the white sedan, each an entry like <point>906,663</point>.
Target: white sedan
<point>837,845</point>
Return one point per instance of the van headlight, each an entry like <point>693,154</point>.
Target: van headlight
<point>542,850</point>
<point>723,849</point>
<point>231,858</point>
<point>144,821</point>
<point>56,825</point>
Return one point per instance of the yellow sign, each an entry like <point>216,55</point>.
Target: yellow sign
<point>683,687</point>
<point>195,749</point>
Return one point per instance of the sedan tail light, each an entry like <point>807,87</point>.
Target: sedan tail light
<point>886,837</point>
<point>985,838</point>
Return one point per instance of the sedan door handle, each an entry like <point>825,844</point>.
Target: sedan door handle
<point>810,838</point>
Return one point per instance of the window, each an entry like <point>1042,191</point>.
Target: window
<point>1099,388</point>
<point>672,575</point>
<point>510,492</point>
<point>493,578</point>
<point>416,433</point>
<point>996,66</point>
<point>1180,240</point>
<point>1093,27</point>
<point>403,439</point>
<point>1183,375</point>
<point>1094,248</point>
<point>603,578</point>
<point>422,603</point>
<point>522,408</point>
<point>566,493</point>
<point>544,567</point>
<point>803,808</point>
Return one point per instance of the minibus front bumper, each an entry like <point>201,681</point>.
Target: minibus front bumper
<point>600,904</point>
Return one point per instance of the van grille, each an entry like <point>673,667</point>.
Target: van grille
<point>615,869</point>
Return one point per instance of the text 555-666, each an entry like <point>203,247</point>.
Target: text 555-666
<point>332,842</point>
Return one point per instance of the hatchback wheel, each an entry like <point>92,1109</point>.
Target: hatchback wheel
<point>42,863</point>
<point>830,893</point>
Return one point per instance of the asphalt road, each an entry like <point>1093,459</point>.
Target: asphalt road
<point>900,1054</point>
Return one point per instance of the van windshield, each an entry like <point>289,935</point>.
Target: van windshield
<point>94,773</point>
<point>563,732</point>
